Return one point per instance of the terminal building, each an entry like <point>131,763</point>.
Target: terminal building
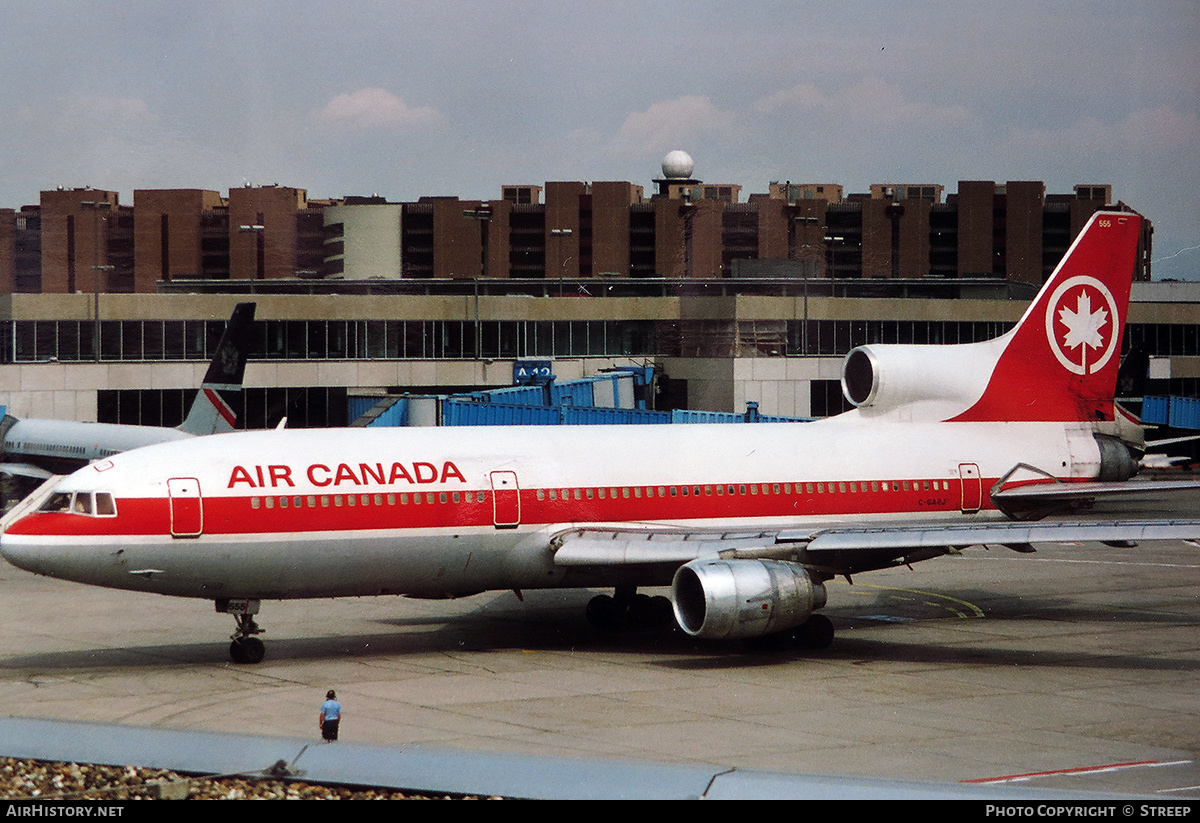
<point>109,312</point>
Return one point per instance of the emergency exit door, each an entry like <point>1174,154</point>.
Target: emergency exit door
<point>187,509</point>
<point>506,500</point>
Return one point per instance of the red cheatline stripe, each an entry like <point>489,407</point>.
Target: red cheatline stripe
<point>221,406</point>
<point>340,508</point>
<point>1080,770</point>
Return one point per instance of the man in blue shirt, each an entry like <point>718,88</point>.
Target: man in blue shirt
<point>331,715</point>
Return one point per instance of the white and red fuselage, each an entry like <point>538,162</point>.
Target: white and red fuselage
<point>448,511</point>
<point>437,512</point>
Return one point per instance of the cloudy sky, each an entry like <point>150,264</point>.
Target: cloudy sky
<point>459,97</point>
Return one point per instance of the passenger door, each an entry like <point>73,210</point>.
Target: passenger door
<point>187,508</point>
<point>972,487</point>
<point>506,500</point>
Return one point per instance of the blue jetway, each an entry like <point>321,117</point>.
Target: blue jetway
<point>1176,412</point>
<point>609,398</point>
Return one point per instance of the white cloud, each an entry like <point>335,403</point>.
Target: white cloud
<point>1162,129</point>
<point>373,108</point>
<point>876,101</point>
<point>796,98</point>
<point>85,114</point>
<point>1153,140</point>
<point>672,124</point>
<point>870,102</point>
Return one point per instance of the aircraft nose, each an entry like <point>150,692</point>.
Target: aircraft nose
<point>15,551</point>
<point>18,551</point>
<point>40,554</point>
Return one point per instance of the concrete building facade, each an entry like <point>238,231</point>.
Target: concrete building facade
<point>109,312</point>
<point>86,241</point>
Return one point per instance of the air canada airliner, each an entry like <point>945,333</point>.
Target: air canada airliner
<point>43,448</point>
<point>946,447</point>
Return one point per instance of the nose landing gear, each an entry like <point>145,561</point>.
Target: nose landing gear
<point>245,647</point>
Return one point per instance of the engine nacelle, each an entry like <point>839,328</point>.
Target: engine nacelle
<point>724,599</point>
<point>927,382</point>
<point>1117,461</point>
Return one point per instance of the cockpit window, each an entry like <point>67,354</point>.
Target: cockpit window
<point>57,502</point>
<point>100,504</point>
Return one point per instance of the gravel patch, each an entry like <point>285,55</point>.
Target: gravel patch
<point>41,780</point>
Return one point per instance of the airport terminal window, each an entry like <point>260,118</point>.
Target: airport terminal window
<point>29,341</point>
<point>32,341</point>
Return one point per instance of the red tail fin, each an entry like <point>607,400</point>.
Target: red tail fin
<point>1060,362</point>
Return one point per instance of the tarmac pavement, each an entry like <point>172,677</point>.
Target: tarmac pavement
<point>1074,669</point>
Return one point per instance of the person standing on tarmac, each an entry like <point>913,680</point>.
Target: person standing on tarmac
<point>331,715</point>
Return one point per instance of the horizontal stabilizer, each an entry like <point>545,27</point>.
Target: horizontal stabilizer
<point>1032,501</point>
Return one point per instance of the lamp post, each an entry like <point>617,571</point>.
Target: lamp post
<point>561,234</point>
<point>484,215</point>
<point>98,268</point>
<point>799,220</point>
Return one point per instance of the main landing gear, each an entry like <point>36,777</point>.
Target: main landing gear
<point>245,647</point>
<point>626,608</point>
<point>813,635</point>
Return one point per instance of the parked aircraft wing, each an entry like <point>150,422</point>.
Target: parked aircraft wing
<point>630,546</point>
<point>25,470</point>
<point>847,549</point>
<point>999,533</point>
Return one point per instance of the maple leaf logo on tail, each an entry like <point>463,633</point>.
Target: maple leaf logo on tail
<point>1083,326</point>
<point>1082,338</point>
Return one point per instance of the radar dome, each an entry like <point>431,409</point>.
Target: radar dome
<point>678,165</point>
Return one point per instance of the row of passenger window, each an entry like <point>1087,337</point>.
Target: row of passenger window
<point>637,492</point>
<point>602,493</point>
<point>326,501</point>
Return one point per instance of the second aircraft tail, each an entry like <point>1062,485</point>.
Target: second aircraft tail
<point>215,408</point>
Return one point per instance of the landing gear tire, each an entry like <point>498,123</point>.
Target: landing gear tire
<point>629,609</point>
<point>816,634</point>
<point>605,612</point>
<point>247,650</point>
<point>657,611</point>
<point>766,643</point>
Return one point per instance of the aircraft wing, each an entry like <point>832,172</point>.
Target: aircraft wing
<point>632,546</point>
<point>848,549</point>
<point>25,470</point>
